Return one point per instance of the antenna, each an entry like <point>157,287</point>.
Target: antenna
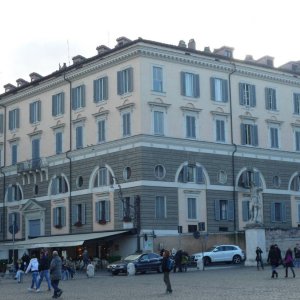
<point>68,52</point>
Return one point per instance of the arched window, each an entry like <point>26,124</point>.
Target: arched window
<point>13,193</point>
<point>59,185</point>
<point>191,173</point>
<point>103,177</point>
<point>295,185</point>
<point>249,176</point>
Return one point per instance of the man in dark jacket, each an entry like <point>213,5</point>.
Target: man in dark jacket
<point>44,266</point>
<point>166,271</point>
<point>55,273</point>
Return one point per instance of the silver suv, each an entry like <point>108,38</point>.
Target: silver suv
<point>220,253</point>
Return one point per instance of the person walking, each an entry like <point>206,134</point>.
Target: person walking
<point>33,267</point>
<point>259,261</point>
<point>288,262</point>
<point>274,258</point>
<point>297,255</point>
<point>44,270</point>
<point>55,273</point>
<point>166,270</point>
<point>20,269</point>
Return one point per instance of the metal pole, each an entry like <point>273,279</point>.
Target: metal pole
<point>13,236</point>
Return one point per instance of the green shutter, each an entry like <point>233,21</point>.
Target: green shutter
<point>182,83</point>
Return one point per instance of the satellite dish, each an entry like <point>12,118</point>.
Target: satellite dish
<point>196,234</point>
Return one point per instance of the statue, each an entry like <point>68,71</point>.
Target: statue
<point>255,207</point>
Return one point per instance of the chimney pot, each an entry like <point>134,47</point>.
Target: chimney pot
<point>102,49</point>
<point>192,44</point>
<point>35,76</point>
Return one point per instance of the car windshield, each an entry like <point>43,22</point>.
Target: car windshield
<point>132,257</point>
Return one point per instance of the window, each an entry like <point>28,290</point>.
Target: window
<point>14,220</point>
<point>224,210</point>
<point>125,207</point>
<point>160,207</point>
<point>103,211</point>
<point>78,97</point>
<point>191,173</point>
<point>247,94</point>
<point>14,154</point>
<point>297,140</point>
<point>276,181</point>
<point>220,130</point>
<point>278,212</point>
<point>158,121</point>
<point>58,142</point>
<point>127,173</point>
<point>103,178</point>
<point>190,86</point>
<point>295,185</point>
<point>248,177</point>
<point>58,104</point>
<point>297,104</point>
<point>14,119</point>
<point>35,112</point>
<point>159,171</point>
<point>35,145</point>
<point>249,134</point>
<point>191,208</point>
<point>158,79</point>
<point>13,193</point>
<point>219,89</point>
<point>274,143</point>
<point>125,81</point>
<point>59,185</point>
<point>190,127</point>
<point>270,95</point>
<point>79,137</point>
<point>59,217</point>
<point>101,130</point>
<point>126,124</point>
<point>101,89</point>
<point>78,214</point>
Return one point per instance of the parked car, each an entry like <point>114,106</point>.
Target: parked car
<point>220,253</point>
<point>142,262</point>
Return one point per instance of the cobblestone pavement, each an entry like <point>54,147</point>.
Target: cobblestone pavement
<point>229,282</point>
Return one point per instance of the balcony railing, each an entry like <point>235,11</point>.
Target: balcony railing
<point>32,165</point>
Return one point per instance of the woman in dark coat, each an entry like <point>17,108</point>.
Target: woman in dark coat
<point>288,262</point>
<point>274,258</point>
<point>166,270</point>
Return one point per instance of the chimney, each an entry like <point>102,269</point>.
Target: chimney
<point>182,44</point>
<point>121,41</point>
<point>207,50</point>
<point>225,51</point>
<point>21,82</point>
<point>293,66</point>
<point>192,44</point>
<point>249,58</point>
<point>78,59</point>
<point>102,49</point>
<point>9,87</point>
<point>35,76</point>
<point>266,60</point>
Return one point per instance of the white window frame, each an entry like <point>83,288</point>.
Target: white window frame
<point>272,128</point>
<point>58,104</point>
<point>271,101</point>
<point>192,215</point>
<point>162,203</point>
<point>224,120</point>
<point>158,128</point>
<point>189,135</point>
<point>126,128</point>
<point>103,135</point>
<point>157,79</point>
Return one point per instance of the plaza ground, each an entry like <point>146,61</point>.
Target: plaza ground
<point>221,282</point>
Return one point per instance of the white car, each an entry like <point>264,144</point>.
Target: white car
<point>220,253</point>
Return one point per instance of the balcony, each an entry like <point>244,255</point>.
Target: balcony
<point>33,165</point>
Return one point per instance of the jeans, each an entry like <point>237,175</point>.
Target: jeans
<point>19,275</point>
<point>54,284</point>
<point>34,281</point>
<point>46,274</point>
<point>167,281</point>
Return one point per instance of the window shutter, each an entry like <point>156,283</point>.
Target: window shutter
<point>17,118</point>
<point>82,89</point>
<point>243,135</point>
<point>212,89</point>
<point>252,96</point>
<point>62,102</point>
<point>96,90</point>
<point>74,213</point>
<point>63,216</point>
<point>31,108</point>
<point>217,210</point>
<point>196,86</point>
<point>83,211</point>
<point>283,211</point>
<point>295,104</point>
<point>256,178</point>
<point>1,123</point>
<point>230,210</point>
<point>185,173</point>
<point>10,120</point>
<point>53,186</point>
<point>130,79</point>
<point>39,116</point>
<point>245,210</point>
<point>105,88</point>
<point>225,90</point>
<point>54,106</point>
<point>182,83</point>
<point>55,216</point>
<point>119,83</point>
<point>274,102</point>
<point>242,100</point>
<point>107,211</point>
<point>255,135</point>
<point>298,217</point>
<point>273,212</point>
<point>9,193</point>
<point>97,212</point>
<point>74,100</point>
<point>267,104</point>
<point>199,175</point>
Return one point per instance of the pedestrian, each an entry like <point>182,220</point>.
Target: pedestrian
<point>297,255</point>
<point>85,258</point>
<point>33,267</point>
<point>55,274</point>
<point>166,270</point>
<point>90,270</point>
<point>274,258</point>
<point>178,258</point>
<point>44,269</point>
<point>259,261</point>
<point>20,269</point>
<point>288,262</point>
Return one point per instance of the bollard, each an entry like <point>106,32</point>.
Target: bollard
<point>130,269</point>
<point>200,264</point>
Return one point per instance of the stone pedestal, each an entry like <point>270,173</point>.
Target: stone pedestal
<point>255,236</point>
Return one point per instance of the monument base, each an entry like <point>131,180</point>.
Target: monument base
<point>255,237</point>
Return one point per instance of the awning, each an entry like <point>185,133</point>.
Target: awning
<point>58,240</point>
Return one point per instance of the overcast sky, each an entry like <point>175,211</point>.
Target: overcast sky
<point>38,35</point>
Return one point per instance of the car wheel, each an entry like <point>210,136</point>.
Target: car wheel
<point>236,259</point>
<point>206,261</point>
<point>115,273</point>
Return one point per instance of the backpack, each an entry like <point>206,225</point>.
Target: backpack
<point>170,264</point>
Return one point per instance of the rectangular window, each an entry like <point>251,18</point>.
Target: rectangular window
<point>1,123</point>
<point>247,94</point>
<point>249,134</point>
<point>58,142</point>
<point>101,131</point>
<point>101,89</point>
<point>270,95</point>
<point>14,119</point>
<point>219,89</point>
<point>191,208</point>
<point>59,216</point>
<point>158,79</point>
<point>126,124</point>
<point>220,131</point>
<point>125,81</point>
<point>79,137</point>
<point>103,211</point>
<point>278,212</point>
<point>296,104</point>
<point>78,214</point>
<point>14,154</point>
<point>224,210</point>
<point>158,122</point>
<point>297,140</point>
<point>35,112</point>
<point>78,97</point>
<point>160,207</point>
<point>58,104</point>
<point>274,137</point>
<point>190,85</point>
<point>190,127</point>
